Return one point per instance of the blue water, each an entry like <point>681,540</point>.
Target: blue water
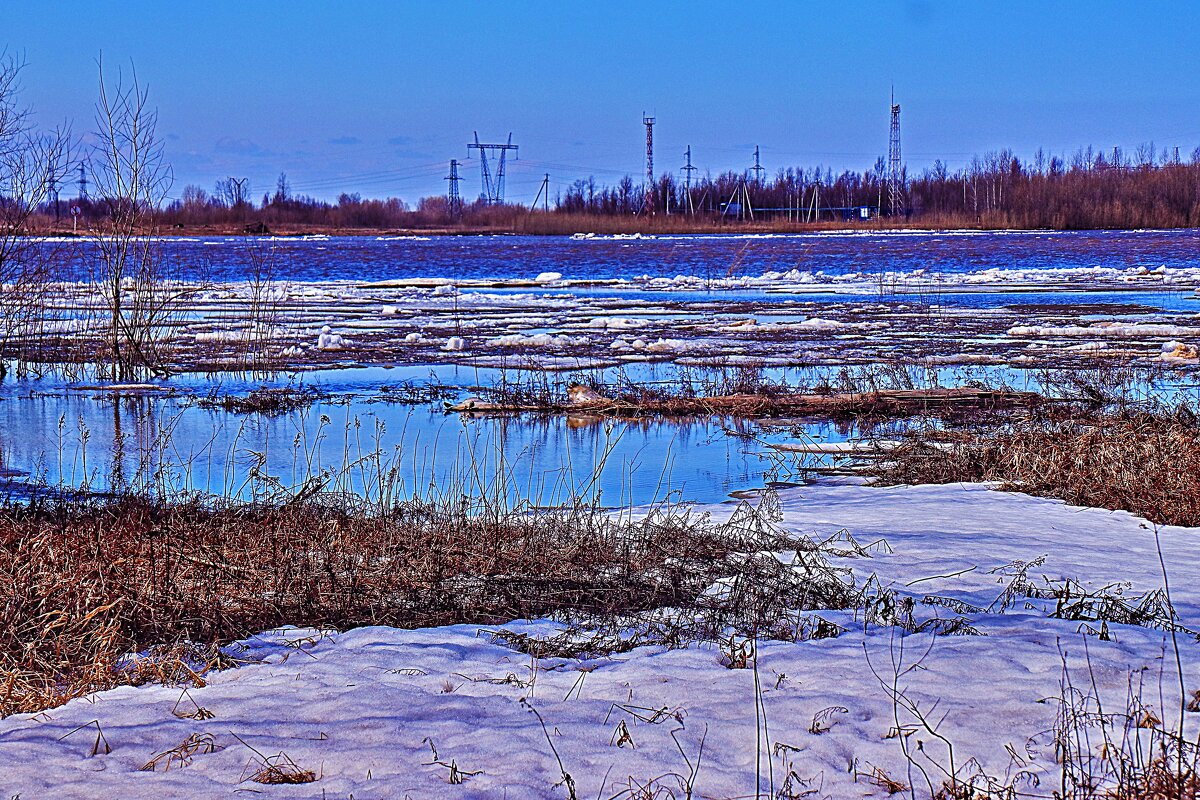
<point>87,438</point>
<point>51,432</point>
<point>366,258</point>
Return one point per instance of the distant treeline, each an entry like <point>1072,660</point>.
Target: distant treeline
<point>1089,190</point>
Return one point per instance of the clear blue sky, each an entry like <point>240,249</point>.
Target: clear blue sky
<point>377,97</point>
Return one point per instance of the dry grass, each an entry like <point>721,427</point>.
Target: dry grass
<point>1147,462</point>
<point>269,401</point>
<point>87,582</point>
<point>749,392</point>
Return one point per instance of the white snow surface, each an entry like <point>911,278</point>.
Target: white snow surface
<point>358,707</point>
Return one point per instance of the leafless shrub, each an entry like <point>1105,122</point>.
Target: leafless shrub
<point>131,179</point>
<point>33,164</point>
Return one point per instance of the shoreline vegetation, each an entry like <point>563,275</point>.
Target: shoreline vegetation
<point>1090,190</point>
<point>551,225</point>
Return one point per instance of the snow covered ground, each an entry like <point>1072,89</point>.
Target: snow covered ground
<point>450,712</point>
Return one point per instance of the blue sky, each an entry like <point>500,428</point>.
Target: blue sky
<point>376,98</point>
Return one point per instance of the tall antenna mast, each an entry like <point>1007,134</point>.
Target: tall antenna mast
<point>688,169</point>
<point>453,198</point>
<point>493,188</point>
<point>895,168</point>
<point>83,195</point>
<point>648,192</point>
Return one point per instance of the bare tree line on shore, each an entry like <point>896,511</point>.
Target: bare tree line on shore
<point>1089,190</point>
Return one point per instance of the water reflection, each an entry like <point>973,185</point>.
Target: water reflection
<point>104,442</point>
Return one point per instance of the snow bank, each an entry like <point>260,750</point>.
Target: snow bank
<point>361,709</point>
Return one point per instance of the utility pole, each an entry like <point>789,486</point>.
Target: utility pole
<point>688,169</point>
<point>757,169</point>
<point>453,198</point>
<point>54,191</point>
<point>648,192</point>
<point>895,169</point>
<point>493,188</point>
<point>543,194</point>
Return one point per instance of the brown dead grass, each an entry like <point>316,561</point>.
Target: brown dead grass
<point>86,583</point>
<point>1147,462</point>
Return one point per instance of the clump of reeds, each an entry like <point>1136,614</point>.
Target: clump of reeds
<point>1147,461</point>
<point>416,392</point>
<point>269,401</point>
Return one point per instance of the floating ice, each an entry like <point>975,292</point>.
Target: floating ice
<point>328,340</point>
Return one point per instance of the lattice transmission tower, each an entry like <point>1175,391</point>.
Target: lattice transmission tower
<point>493,186</point>
<point>688,169</point>
<point>453,198</point>
<point>896,203</point>
<point>758,169</point>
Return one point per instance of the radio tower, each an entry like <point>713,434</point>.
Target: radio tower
<point>82,183</point>
<point>895,170</point>
<point>648,193</point>
<point>493,189</point>
<point>688,169</point>
<point>453,198</point>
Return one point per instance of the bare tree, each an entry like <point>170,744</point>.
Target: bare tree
<point>32,164</point>
<point>132,180</point>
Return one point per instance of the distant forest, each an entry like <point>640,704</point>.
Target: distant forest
<point>1092,189</point>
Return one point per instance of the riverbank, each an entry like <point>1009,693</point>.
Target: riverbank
<point>523,223</point>
<point>988,629</point>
